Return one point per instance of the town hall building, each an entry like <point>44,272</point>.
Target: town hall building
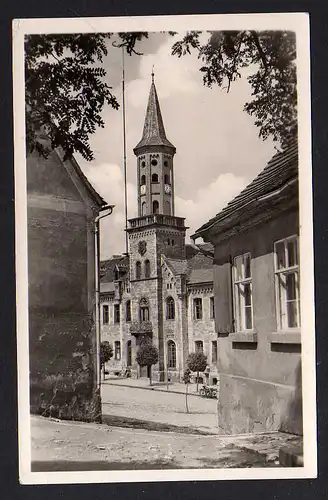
<point>163,289</point>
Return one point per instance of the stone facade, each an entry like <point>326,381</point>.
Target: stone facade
<point>259,351</point>
<point>161,274</point>
<point>62,207</point>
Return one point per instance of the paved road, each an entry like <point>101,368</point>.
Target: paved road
<point>166,408</point>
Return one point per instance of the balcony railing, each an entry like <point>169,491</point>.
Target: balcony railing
<point>141,328</point>
<point>148,220</point>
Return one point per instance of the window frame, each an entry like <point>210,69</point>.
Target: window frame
<point>212,308</point>
<point>105,307</point>
<point>147,269</point>
<point>202,348</point>
<point>171,344</point>
<point>239,305</point>
<point>170,313</point>
<point>281,291</point>
<point>117,314</point>
<point>194,308</point>
<point>117,352</point>
<point>138,270</point>
<point>214,342</point>
<point>143,307</point>
<point>128,311</point>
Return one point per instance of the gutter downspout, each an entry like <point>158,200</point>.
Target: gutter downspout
<point>97,283</point>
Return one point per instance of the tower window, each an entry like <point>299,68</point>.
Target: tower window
<point>143,310</point>
<point>170,308</point>
<point>147,269</point>
<point>143,180</point>
<point>166,163</point>
<point>143,163</point>
<point>167,179</point>
<point>155,207</point>
<point>154,163</point>
<point>154,178</point>
<point>138,270</point>
<point>143,208</point>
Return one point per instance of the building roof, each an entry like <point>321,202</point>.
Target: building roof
<point>280,170</point>
<point>201,275</point>
<point>107,287</point>
<point>154,131</point>
<point>108,267</point>
<point>177,266</point>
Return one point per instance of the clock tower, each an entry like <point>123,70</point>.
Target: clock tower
<point>155,232</point>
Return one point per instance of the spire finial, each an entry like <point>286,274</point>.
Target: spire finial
<point>152,74</point>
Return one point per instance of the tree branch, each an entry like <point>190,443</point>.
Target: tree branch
<point>257,43</point>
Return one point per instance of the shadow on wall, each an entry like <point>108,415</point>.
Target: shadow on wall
<point>293,420</point>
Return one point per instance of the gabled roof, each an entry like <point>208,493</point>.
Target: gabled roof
<point>197,269</point>
<point>198,276</point>
<point>153,132</point>
<point>107,267</point>
<point>177,266</point>
<point>280,170</point>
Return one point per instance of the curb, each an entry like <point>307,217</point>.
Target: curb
<point>153,389</point>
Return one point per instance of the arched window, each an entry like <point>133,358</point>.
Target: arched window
<point>138,270</point>
<point>170,308</point>
<point>167,209</point>
<point>172,354</point>
<point>143,208</point>
<point>128,353</point>
<point>128,310</point>
<point>143,310</point>
<point>143,180</point>
<point>154,178</point>
<point>147,269</point>
<point>166,179</point>
<point>155,207</point>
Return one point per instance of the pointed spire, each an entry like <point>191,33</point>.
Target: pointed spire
<point>154,131</point>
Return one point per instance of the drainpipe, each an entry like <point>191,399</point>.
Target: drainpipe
<point>109,209</point>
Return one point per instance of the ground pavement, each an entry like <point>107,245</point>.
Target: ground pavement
<point>138,405</point>
<point>71,446</point>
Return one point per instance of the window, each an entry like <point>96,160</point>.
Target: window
<point>155,207</point>
<point>199,346</point>
<point>212,308</point>
<point>243,292</point>
<point>128,310</point>
<point>105,314</point>
<point>170,308</point>
<point>143,208</point>
<point>166,179</point>
<point>138,270</point>
<point>287,283</point>
<point>214,351</point>
<point>128,353</point>
<point>116,313</point>
<point>143,310</point>
<point>154,163</point>
<point>117,350</point>
<point>154,178</point>
<point>147,269</point>
<point>143,180</point>
<point>172,354</point>
<point>198,308</point>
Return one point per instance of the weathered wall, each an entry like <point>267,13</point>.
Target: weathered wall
<point>61,294</point>
<point>260,378</point>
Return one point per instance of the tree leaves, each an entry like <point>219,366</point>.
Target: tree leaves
<point>66,89</point>
<point>271,56</point>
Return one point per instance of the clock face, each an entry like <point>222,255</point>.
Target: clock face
<point>167,188</point>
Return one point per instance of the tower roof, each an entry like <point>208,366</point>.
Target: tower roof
<point>153,132</point>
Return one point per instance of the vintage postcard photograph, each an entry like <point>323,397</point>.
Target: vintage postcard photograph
<point>164,248</point>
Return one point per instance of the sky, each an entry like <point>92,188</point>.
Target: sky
<point>218,148</point>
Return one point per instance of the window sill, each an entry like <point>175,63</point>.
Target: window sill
<point>249,337</point>
<point>285,337</point>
